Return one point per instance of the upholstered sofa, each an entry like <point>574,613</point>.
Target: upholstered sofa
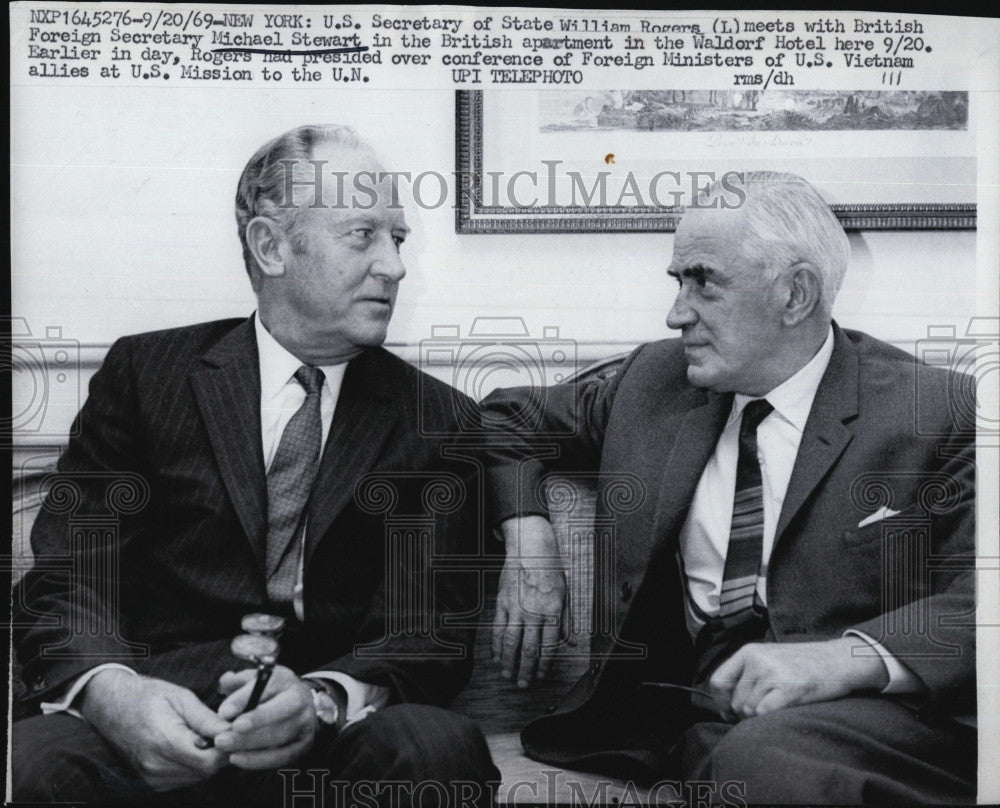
<point>497,705</point>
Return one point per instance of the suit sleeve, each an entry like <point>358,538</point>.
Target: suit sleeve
<point>535,430</point>
<point>417,638</point>
<point>65,621</point>
<point>934,635</point>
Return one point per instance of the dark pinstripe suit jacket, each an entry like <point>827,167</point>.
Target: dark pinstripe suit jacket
<point>151,543</point>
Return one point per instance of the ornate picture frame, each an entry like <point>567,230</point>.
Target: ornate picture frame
<point>476,213</point>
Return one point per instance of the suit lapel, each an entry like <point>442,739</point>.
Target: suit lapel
<point>227,389</point>
<point>827,432</point>
<point>691,437</point>
<point>366,413</point>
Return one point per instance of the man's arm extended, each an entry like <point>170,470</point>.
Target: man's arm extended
<point>559,427</point>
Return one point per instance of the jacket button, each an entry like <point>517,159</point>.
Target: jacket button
<point>550,710</point>
<point>626,590</point>
<point>595,669</point>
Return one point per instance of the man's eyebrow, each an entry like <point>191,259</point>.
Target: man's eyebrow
<point>373,222</point>
<point>360,219</point>
<point>690,271</point>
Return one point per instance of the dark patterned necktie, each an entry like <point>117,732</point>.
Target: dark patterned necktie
<point>741,618</point>
<point>289,482</point>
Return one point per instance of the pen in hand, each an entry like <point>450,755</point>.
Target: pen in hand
<point>260,648</point>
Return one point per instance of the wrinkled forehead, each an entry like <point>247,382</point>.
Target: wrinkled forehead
<point>705,233</point>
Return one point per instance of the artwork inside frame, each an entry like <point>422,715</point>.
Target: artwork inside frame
<point>562,161</point>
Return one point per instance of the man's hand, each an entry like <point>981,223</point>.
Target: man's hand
<point>762,677</point>
<point>531,601</point>
<point>276,732</point>
<point>155,725</point>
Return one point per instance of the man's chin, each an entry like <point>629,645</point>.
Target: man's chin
<point>700,376</point>
<point>372,336</point>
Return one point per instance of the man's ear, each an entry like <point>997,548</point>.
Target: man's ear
<point>266,240</point>
<point>804,291</point>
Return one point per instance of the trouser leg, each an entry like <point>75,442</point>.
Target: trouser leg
<point>400,755</point>
<point>56,758</point>
<point>853,750</point>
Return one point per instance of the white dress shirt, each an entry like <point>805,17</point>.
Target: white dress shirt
<point>280,398</point>
<point>704,537</point>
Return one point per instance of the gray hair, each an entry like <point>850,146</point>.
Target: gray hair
<point>262,187</point>
<point>785,222</point>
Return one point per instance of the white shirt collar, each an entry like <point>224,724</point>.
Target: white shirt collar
<point>278,365</point>
<point>793,398</point>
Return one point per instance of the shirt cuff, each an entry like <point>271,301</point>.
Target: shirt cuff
<point>63,705</point>
<point>363,699</point>
<point>901,678</point>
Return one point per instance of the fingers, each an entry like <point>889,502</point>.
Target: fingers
<point>530,644</point>
<point>236,702</point>
<point>531,601</point>
<point>231,681</point>
<point>199,718</point>
<point>283,706</point>
<point>285,698</point>
<point>765,680</point>
<point>775,699</point>
<point>272,735</point>
<point>180,740</point>
<point>551,632</point>
<point>744,698</point>
<point>182,749</point>
<point>240,685</point>
<point>528,622</point>
<point>723,682</point>
<point>510,645</point>
<point>499,627</point>
<point>539,639</point>
<point>281,722</point>
<point>174,754</point>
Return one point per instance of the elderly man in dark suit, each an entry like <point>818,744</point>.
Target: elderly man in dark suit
<point>280,465</point>
<point>798,550</point>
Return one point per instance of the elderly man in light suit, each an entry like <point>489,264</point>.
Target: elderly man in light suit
<point>803,550</point>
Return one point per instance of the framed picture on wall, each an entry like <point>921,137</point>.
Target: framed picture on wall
<point>573,161</point>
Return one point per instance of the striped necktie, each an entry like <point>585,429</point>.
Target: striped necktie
<point>741,618</point>
<point>746,531</point>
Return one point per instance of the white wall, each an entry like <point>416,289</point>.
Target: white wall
<point>122,209</point>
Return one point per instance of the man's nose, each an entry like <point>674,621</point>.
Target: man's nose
<point>681,314</point>
<point>388,263</point>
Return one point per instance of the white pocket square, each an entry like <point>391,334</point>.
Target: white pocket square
<point>878,516</point>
